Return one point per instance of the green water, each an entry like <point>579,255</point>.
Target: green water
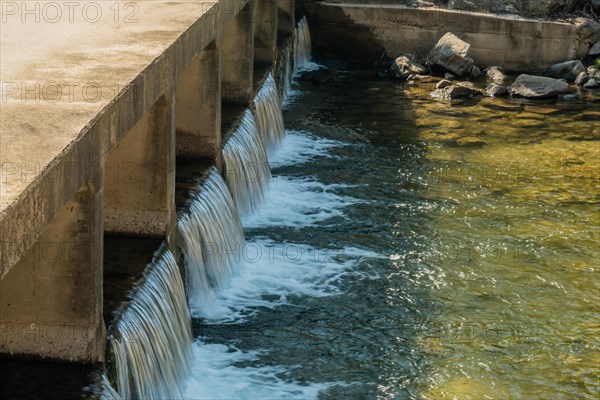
<point>490,286</point>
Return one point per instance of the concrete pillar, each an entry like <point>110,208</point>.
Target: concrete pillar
<point>237,57</point>
<point>51,300</point>
<point>285,18</point>
<point>265,32</point>
<point>198,106</point>
<point>140,175</point>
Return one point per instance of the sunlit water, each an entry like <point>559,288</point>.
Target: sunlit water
<point>389,262</point>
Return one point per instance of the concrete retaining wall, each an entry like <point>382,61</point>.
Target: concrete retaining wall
<point>361,32</point>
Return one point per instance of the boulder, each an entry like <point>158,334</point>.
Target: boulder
<point>443,83</point>
<point>455,92</point>
<point>533,86</point>
<point>592,84</point>
<point>582,78</point>
<point>451,53</point>
<point>546,7</point>
<point>595,49</point>
<point>495,90</point>
<point>591,70</point>
<point>406,65</point>
<point>464,5</point>
<point>475,72</point>
<point>567,70</point>
<point>587,30</point>
<point>496,75</point>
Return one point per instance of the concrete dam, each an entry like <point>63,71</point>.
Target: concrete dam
<point>104,104</point>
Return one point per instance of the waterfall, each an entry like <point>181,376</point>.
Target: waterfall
<point>302,45</point>
<point>211,238</point>
<point>247,170</point>
<point>152,339</point>
<point>107,392</point>
<point>285,70</point>
<point>269,117</point>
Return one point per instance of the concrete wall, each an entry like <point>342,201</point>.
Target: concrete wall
<point>198,105</point>
<point>115,168</point>
<point>237,67</point>
<point>361,33</point>
<point>140,175</point>
<point>51,301</point>
<point>265,32</point>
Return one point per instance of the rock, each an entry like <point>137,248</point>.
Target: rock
<point>570,97</point>
<point>587,30</point>
<point>475,72</point>
<point>567,70</point>
<point>546,7</point>
<point>591,70</point>
<point>592,84</point>
<point>455,92</point>
<point>533,86</point>
<point>451,53</point>
<point>496,75</point>
<point>495,90</point>
<point>470,141</point>
<point>448,75</point>
<point>443,83</point>
<point>596,5</point>
<point>582,78</point>
<point>406,65</point>
<point>463,5</point>
<point>595,49</point>
<point>417,77</point>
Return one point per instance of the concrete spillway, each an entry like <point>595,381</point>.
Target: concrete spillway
<point>98,99</point>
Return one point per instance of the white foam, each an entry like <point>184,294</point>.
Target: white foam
<point>271,273</point>
<point>300,147</point>
<point>217,373</point>
<point>298,202</point>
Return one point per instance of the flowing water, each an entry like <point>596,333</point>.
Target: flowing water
<point>151,342</point>
<point>410,248</point>
<point>398,248</point>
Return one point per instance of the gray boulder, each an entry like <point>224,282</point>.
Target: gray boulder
<point>455,92</point>
<point>582,78</point>
<point>533,86</point>
<point>567,70</point>
<point>495,90</point>
<point>595,49</point>
<point>475,72</point>
<point>464,5</point>
<point>451,53</point>
<point>496,75</point>
<point>587,30</point>
<point>592,84</point>
<point>406,65</point>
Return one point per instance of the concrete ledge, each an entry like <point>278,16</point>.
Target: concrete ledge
<point>131,66</point>
<point>361,32</point>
